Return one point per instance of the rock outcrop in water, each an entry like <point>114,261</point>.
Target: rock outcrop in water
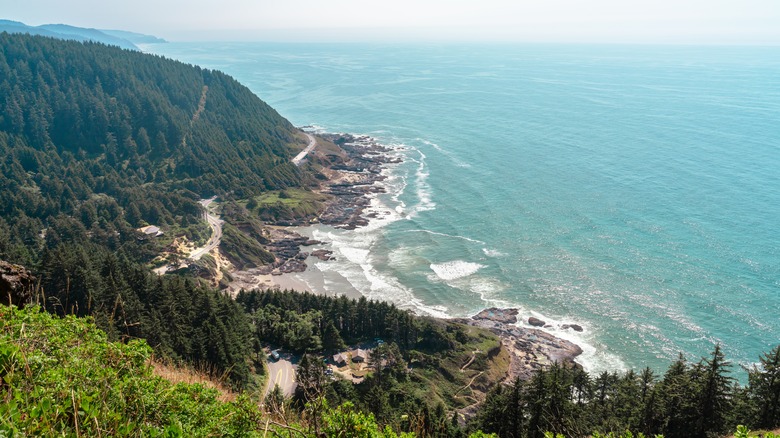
<point>530,349</point>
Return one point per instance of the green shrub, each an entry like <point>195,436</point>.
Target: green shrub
<point>63,377</point>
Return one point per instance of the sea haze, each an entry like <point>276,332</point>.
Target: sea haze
<point>632,190</point>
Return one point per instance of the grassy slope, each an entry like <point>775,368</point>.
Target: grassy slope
<point>457,386</point>
<point>288,204</point>
<point>62,377</point>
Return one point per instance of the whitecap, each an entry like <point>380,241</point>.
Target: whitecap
<point>455,269</point>
<point>424,196</point>
<point>486,287</point>
<point>458,162</point>
<point>493,252</point>
<point>435,233</point>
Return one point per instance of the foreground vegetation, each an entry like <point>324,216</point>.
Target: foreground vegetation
<point>62,377</point>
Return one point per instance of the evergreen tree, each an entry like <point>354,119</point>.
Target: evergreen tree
<point>764,389</point>
<point>714,393</point>
<point>678,398</point>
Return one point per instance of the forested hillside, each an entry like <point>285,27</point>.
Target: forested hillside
<point>97,141</point>
<point>120,139</point>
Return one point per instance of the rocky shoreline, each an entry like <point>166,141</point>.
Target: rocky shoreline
<point>351,177</point>
<point>530,349</point>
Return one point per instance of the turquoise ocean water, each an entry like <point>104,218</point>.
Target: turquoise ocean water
<point>632,190</point>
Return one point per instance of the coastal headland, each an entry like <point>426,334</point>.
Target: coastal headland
<point>351,170</point>
<point>530,349</point>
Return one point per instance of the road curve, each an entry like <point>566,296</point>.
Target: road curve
<point>312,144</point>
<point>216,231</point>
<point>282,373</point>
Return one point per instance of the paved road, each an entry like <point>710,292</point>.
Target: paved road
<point>312,144</point>
<point>216,231</point>
<point>282,373</point>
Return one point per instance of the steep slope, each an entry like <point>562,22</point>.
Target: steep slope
<point>122,139</point>
<point>96,142</point>
<point>63,377</point>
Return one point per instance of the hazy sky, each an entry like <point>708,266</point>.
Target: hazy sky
<point>686,21</point>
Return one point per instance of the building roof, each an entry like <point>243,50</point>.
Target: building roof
<point>338,358</point>
<point>359,354</point>
<point>151,230</point>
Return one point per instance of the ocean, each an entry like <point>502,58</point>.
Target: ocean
<point>633,190</point>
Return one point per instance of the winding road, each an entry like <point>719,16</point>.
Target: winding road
<point>216,231</point>
<point>312,144</point>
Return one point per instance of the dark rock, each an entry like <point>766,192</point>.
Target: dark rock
<point>575,327</point>
<point>17,285</point>
<point>292,266</point>
<point>322,254</point>
<point>504,316</point>
<point>529,349</point>
<point>536,322</point>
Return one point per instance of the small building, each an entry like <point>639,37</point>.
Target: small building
<point>359,355</point>
<point>151,230</point>
<point>340,360</point>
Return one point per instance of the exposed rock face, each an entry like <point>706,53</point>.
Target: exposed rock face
<point>536,322</point>
<point>530,349</point>
<point>17,285</point>
<point>352,183</point>
<point>364,161</point>
<point>504,316</point>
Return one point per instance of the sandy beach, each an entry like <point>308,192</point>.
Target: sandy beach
<point>311,280</point>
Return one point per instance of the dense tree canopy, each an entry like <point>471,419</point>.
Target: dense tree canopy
<point>97,141</point>
<point>119,139</point>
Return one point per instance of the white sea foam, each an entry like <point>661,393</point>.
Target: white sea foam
<point>487,288</point>
<point>447,235</point>
<point>458,162</point>
<point>595,358</point>
<point>405,258</point>
<point>455,269</point>
<point>313,127</point>
<point>424,197</point>
<point>355,266</point>
<point>493,252</point>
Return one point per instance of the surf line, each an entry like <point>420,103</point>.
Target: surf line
<point>448,235</point>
